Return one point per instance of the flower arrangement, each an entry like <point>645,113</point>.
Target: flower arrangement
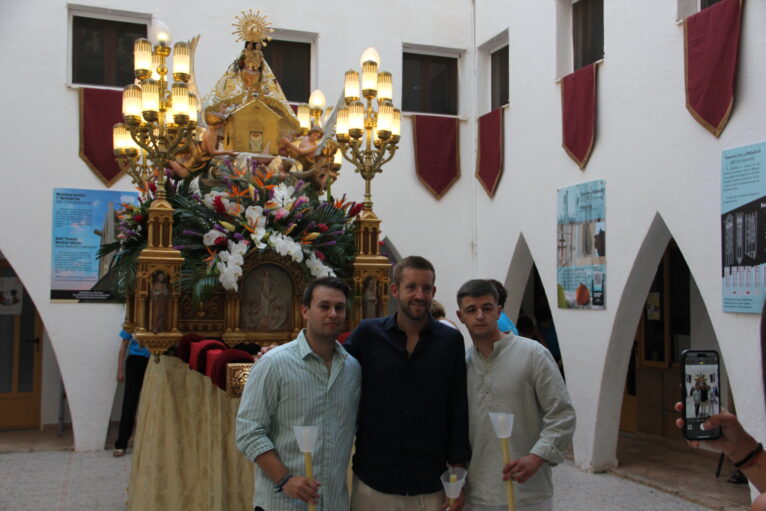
<point>251,209</point>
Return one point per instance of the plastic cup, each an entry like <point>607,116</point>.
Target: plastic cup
<point>453,480</point>
<point>502,423</point>
<point>306,437</point>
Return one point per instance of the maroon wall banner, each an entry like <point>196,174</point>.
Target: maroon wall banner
<point>711,46</point>
<point>100,110</point>
<point>578,113</point>
<point>437,160</point>
<point>489,160</point>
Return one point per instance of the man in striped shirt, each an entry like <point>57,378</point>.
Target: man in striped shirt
<point>311,381</point>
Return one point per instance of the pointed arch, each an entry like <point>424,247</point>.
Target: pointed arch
<point>518,275</point>
<point>629,307</point>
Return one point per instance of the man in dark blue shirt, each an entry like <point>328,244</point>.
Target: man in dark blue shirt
<point>413,415</point>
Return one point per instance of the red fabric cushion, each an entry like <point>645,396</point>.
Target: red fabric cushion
<point>210,358</point>
<point>218,370</point>
<point>199,350</point>
<point>183,348</point>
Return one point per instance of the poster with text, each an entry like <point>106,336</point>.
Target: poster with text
<point>83,220</point>
<point>581,246</point>
<point>743,228</point>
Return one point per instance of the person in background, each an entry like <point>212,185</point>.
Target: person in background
<point>131,371</point>
<point>439,314</point>
<point>504,323</point>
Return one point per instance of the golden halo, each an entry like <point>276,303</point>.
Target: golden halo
<point>252,27</point>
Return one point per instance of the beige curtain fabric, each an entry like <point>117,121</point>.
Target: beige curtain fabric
<point>184,456</point>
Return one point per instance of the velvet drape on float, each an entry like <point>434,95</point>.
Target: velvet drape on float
<point>100,110</point>
<point>437,157</point>
<point>711,47</point>
<point>578,113</point>
<point>489,158</point>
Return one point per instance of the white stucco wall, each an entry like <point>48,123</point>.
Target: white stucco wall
<point>656,160</point>
<point>661,168</point>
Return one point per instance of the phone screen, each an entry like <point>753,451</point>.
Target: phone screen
<point>702,396</point>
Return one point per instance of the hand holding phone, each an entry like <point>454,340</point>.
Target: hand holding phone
<point>701,393</point>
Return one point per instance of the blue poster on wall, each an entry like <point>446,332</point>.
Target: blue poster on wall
<point>83,221</point>
<point>581,246</point>
<point>743,228</point>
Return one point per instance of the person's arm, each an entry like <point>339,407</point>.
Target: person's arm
<point>121,359</point>
<point>734,442</point>
<point>458,448</point>
<point>297,487</point>
<point>558,420</point>
<point>254,421</point>
<point>210,144</point>
<point>354,342</point>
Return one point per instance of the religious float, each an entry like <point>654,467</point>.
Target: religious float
<point>236,215</point>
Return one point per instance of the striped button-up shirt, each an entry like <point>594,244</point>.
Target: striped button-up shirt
<point>291,386</point>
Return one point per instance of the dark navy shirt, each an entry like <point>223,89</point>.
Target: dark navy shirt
<point>413,415</point>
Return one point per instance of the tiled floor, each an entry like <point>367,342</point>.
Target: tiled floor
<point>676,468</point>
<point>39,471</point>
<point>63,481</point>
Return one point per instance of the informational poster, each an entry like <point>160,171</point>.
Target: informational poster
<point>83,220</point>
<point>11,296</point>
<point>743,228</point>
<point>581,244</point>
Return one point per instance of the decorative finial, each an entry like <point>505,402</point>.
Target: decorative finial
<point>252,27</point>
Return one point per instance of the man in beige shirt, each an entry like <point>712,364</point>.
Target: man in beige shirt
<point>511,374</point>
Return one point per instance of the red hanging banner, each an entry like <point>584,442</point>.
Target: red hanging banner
<point>437,160</point>
<point>711,47</point>
<point>578,113</point>
<point>100,110</point>
<point>489,160</point>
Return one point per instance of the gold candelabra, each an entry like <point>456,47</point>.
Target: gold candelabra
<point>368,137</point>
<point>160,119</point>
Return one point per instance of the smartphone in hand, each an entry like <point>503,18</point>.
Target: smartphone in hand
<point>701,392</point>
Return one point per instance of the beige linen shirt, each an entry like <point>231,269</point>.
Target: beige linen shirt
<point>519,377</point>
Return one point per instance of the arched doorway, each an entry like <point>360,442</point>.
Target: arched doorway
<point>535,320</point>
<point>21,354</point>
<point>527,301</point>
<point>673,319</point>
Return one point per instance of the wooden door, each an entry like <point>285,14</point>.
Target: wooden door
<point>20,354</point>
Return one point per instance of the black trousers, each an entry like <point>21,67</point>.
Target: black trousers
<point>135,367</point>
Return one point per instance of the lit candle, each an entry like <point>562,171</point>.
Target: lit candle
<point>119,137</point>
<point>341,125</point>
<point>355,119</point>
<point>180,93</point>
<point>159,33</point>
<point>181,60</point>
<point>304,116</point>
<point>351,86</point>
<point>150,96</point>
<point>193,107</point>
<point>131,102</point>
<point>369,78</point>
<point>385,86</point>
<point>142,58</point>
<point>385,119</point>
